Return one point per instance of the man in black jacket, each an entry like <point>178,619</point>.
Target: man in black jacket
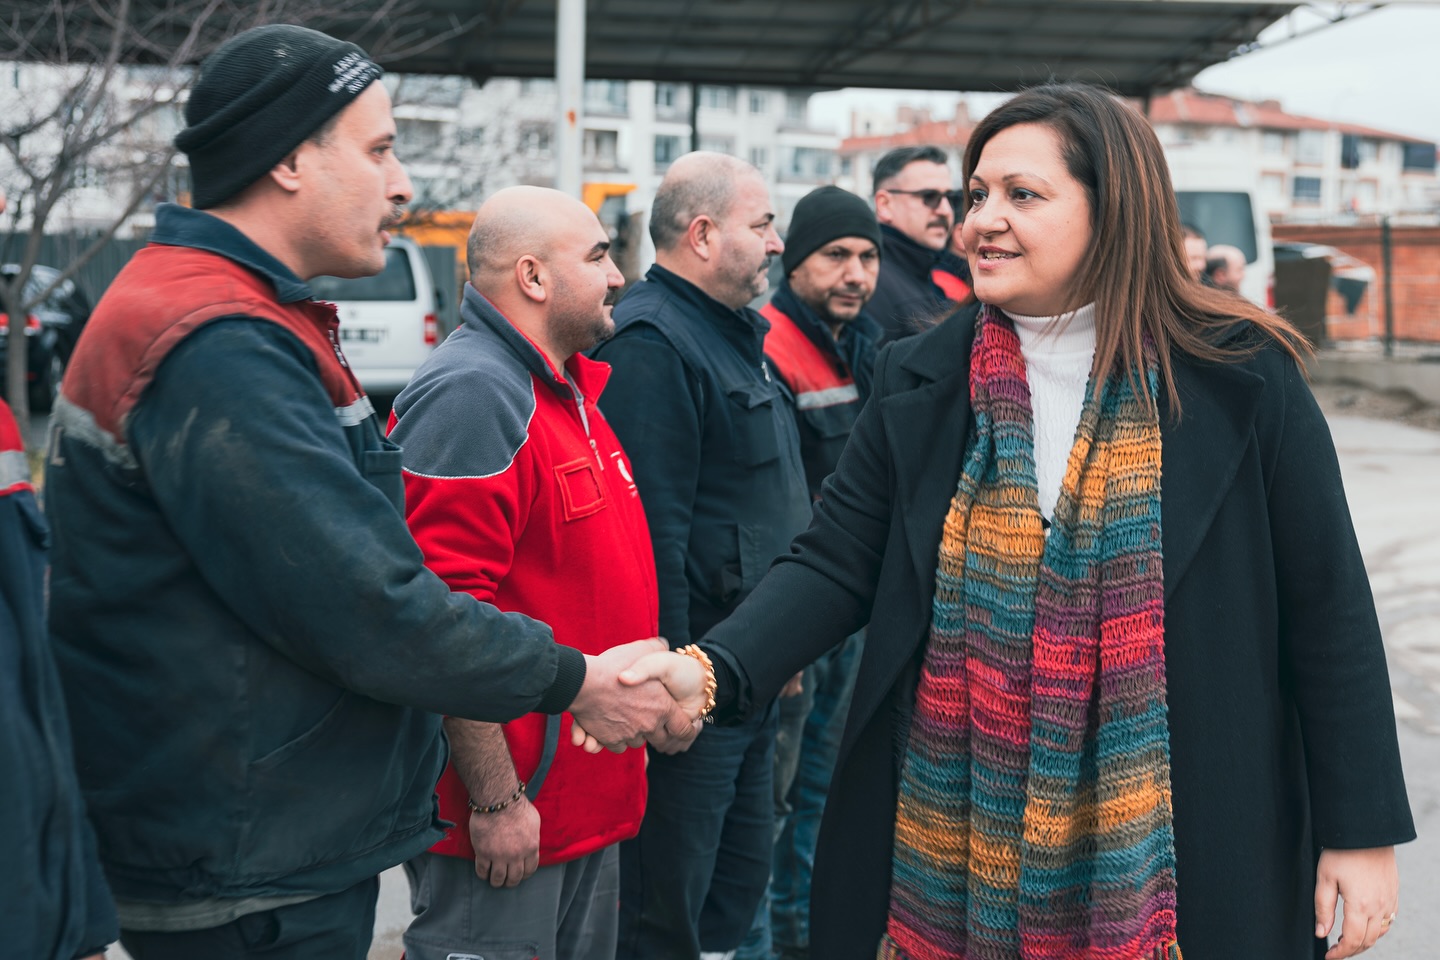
<point>712,437</point>
<point>913,192</point>
<point>255,657</point>
<point>54,904</point>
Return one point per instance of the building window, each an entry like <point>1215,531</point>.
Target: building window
<point>797,108</point>
<point>1306,190</point>
<point>724,145</point>
<point>1310,146</point>
<point>810,163</point>
<point>601,149</point>
<point>1417,157</point>
<point>667,148</point>
<point>537,87</point>
<point>535,141</point>
<point>416,138</point>
<point>717,98</point>
<point>607,97</point>
<point>1272,142</point>
<point>759,157</point>
<point>759,103</point>
<point>667,94</point>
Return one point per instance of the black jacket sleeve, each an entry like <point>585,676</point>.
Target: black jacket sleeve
<point>821,591</point>
<point>1330,638</point>
<point>655,409</point>
<point>244,454</point>
<point>54,902</point>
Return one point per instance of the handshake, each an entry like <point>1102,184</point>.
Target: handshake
<point>640,692</point>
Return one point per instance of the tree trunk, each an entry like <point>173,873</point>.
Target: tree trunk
<point>17,367</point>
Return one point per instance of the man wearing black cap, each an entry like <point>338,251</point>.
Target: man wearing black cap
<point>254,655</point>
<point>823,345</point>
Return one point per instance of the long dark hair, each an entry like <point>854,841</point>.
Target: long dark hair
<point>1135,271</point>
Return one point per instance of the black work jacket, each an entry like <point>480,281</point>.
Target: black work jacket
<point>1282,731</point>
<point>906,300</point>
<point>825,429</point>
<point>711,435</point>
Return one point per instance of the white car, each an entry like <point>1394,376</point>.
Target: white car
<point>390,322</point>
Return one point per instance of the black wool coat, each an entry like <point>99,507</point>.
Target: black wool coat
<point>1282,730</point>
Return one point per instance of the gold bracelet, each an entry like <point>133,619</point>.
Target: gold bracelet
<point>497,807</point>
<point>693,651</point>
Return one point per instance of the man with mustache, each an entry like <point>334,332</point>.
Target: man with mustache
<point>254,654</point>
<point>913,202</point>
<point>530,506</point>
<point>712,435</point>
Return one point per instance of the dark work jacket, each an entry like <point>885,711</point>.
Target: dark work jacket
<point>254,654</point>
<point>711,434</point>
<point>906,299</point>
<point>828,376</point>
<point>54,904</point>
<point>1282,730</point>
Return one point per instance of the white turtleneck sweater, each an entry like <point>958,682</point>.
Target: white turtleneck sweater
<point>1058,353</point>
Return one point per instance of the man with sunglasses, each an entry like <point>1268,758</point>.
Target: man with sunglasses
<point>915,204</point>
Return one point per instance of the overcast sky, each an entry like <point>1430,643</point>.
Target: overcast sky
<point>1381,69</point>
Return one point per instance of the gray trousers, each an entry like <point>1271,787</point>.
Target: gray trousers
<point>568,911</point>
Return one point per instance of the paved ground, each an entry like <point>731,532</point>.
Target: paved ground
<point>1392,476</point>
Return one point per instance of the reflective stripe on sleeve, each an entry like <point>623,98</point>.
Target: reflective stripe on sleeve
<point>827,398</point>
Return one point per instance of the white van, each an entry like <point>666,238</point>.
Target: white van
<point>390,322</point>
<point>1218,190</point>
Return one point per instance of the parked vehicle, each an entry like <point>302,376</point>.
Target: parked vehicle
<point>51,328</point>
<point>1219,196</point>
<point>390,322</point>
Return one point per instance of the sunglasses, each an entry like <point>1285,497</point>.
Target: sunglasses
<point>932,198</point>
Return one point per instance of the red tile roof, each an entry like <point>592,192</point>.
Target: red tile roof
<point>1192,106</point>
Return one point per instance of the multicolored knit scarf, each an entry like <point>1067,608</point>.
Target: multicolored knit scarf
<point>1034,815</point>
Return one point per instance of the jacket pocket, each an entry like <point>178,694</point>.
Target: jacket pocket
<point>580,491</point>
<point>752,416</point>
<point>332,791</point>
<point>382,468</point>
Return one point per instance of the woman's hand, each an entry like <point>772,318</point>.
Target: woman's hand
<point>1369,883</point>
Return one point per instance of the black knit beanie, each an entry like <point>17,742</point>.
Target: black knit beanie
<point>258,97</point>
<point>823,215</point>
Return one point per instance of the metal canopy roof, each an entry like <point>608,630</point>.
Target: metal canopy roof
<point>1134,46</point>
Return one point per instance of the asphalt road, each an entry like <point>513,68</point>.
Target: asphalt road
<point>1392,478</point>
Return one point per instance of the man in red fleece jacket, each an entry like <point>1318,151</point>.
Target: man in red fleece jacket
<point>519,494</point>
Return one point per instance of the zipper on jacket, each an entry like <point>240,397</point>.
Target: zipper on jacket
<point>585,422</point>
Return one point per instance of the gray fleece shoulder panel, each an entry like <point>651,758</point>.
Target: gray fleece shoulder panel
<point>467,411</point>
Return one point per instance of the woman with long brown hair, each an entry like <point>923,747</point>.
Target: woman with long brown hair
<point>1124,691</point>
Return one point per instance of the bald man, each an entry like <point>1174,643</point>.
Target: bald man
<point>520,495</point>
<point>1225,266</point>
<point>717,457</point>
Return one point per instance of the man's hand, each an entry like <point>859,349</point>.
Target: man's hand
<point>639,692</point>
<point>1369,883</point>
<point>507,843</point>
<point>794,686</point>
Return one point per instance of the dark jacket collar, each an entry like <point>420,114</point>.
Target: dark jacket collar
<point>905,254</point>
<point>179,226</point>
<point>743,327</point>
<point>589,376</point>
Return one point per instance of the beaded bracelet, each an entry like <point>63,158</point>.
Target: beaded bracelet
<point>497,807</point>
<point>693,651</point>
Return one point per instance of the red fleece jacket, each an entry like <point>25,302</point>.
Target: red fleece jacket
<point>520,501</point>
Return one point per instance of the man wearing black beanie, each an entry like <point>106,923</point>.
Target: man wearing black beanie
<point>255,657</point>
